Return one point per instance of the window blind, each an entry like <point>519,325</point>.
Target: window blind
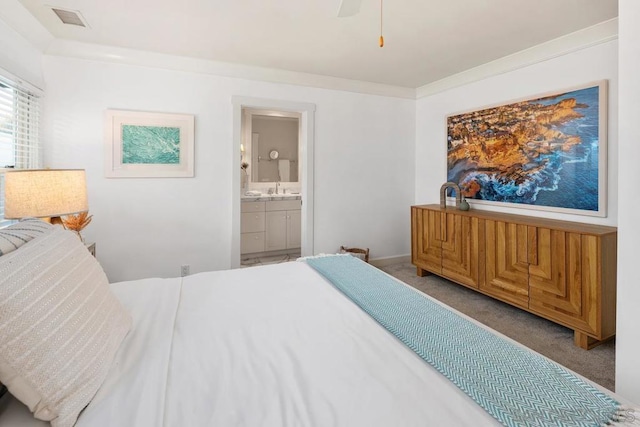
<point>19,131</point>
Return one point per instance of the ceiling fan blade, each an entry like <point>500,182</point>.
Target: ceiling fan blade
<point>349,8</point>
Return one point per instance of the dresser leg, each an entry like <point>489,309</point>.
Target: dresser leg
<point>422,272</point>
<point>585,341</point>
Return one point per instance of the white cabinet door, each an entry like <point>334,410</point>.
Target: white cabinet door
<point>276,231</point>
<point>294,227</point>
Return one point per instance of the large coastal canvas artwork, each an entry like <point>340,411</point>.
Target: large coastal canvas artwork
<point>547,152</point>
<point>148,145</point>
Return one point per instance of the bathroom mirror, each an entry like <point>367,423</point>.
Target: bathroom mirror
<point>271,140</point>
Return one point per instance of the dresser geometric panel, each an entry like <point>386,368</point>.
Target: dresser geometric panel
<point>556,283</point>
<point>507,266</point>
<point>460,247</point>
<point>426,251</point>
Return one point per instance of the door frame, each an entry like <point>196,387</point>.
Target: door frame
<point>307,125</point>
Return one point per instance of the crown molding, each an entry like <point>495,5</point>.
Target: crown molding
<point>103,53</point>
<point>591,36</point>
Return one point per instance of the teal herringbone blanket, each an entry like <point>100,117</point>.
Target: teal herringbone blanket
<point>516,386</point>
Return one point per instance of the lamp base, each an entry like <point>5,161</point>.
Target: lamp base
<point>55,220</point>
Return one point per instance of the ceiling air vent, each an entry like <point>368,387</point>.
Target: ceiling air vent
<point>70,17</point>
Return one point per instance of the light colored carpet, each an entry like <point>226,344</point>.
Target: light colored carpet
<point>545,337</point>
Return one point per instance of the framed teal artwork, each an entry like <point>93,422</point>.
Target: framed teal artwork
<point>149,145</point>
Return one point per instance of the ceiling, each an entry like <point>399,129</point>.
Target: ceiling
<point>425,40</point>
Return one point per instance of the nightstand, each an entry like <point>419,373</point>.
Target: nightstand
<point>91,247</point>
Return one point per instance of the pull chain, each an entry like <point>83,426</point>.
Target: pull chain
<point>381,41</point>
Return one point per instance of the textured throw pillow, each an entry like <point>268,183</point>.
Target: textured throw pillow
<point>60,325</point>
<point>16,235</point>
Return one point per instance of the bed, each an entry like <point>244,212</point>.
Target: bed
<point>289,345</point>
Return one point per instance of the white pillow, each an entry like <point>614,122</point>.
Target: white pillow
<point>60,326</point>
<point>16,235</point>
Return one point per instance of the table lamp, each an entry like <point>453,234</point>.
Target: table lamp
<point>44,193</point>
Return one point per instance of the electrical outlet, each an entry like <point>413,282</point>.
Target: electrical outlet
<point>184,270</point>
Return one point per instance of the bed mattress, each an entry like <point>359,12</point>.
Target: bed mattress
<point>265,346</point>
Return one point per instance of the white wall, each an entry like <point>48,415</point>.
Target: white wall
<point>148,227</point>
<point>583,66</point>
<point>628,324</point>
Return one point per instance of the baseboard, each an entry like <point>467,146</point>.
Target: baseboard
<point>383,262</point>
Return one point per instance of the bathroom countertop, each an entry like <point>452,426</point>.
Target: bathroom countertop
<point>268,197</point>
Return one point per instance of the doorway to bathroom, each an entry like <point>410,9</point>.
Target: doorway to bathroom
<point>273,193</point>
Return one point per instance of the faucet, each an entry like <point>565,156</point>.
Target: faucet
<point>443,194</point>
<point>277,184</point>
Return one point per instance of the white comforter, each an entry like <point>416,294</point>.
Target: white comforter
<point>264,346</point>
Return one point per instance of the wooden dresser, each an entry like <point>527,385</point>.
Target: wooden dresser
<point>562,271</point>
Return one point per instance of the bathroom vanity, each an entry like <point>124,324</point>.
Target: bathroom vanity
<point>270,223</point>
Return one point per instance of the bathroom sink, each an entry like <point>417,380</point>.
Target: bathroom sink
<point>253,197</point>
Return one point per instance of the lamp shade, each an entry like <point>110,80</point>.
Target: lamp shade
<point>44,193</point>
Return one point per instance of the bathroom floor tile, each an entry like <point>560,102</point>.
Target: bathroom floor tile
<point>266,260</point>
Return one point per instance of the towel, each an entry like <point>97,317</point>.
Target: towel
<point>284,169</point>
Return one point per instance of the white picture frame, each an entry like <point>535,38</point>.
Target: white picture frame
<point>148,145</point>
